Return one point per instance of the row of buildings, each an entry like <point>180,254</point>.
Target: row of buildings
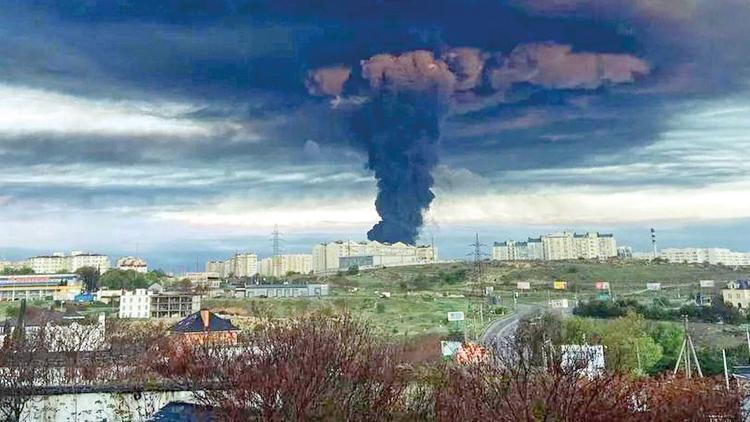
<point>557,246</point>
<point>342,255</point>
<point>247,265</point>
<point>325,258</point>
<point>58,262</point>
<point>713,256</point>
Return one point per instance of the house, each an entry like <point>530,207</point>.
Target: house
<point>62,332</point>
<point>205,326</point>
<point>283,290</point>
<point>737,294</point>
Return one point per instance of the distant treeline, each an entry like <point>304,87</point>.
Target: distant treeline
<point>717,312</point>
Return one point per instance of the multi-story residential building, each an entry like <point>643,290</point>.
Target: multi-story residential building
<point>127,263</point>
<point>281,265</point>
<point>40,287</point>
<point>557,246</point>
<point>333,256</point>
<point>713,256</point>
<point>215,267</point>
<point>624,252</point>
<point>239,265</point>
<point>737,293</point>
<point>144,303</point>
<point>59,262</point>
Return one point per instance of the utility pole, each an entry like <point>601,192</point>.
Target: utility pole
<point>688,348</point>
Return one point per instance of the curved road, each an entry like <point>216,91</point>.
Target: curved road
<point>506,327</point>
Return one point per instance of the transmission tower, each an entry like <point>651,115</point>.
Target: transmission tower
<point>478,257</point>
<point>276,259</point>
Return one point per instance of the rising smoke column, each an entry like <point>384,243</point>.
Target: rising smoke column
<point>398,116</point>
<point>401,133</point>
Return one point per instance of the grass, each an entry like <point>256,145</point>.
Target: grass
<point>421,297</point>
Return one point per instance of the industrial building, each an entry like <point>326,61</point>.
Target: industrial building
<point>284,290</point>
<point>145,303</point>
<point>341,255</point>
<point>557,246</point>
<point>713,256</point>
<point>40,287</point>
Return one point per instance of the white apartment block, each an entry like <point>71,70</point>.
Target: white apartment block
<point>239,265</point>
<point>281,265</point>
<point>146,303</point>
<point>333,256</point>
<point>713,256</point>
<point>557,246</point>
<point>59,262</point>
<point>135,304</point>
<point>127,263</point>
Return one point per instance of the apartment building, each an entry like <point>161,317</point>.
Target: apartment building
<point>281,265</point>
<point>146,303</point>
<point>557,246</point>
<point>713,256</point>
<point>239,265</point>
<point>334,256</point>
<point>59,262</point>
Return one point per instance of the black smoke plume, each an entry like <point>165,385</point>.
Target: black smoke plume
<point>400,131</point>
<point>397,115</point>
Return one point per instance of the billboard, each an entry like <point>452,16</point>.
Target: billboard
<point>707,283</point>
<point>653,286</point>
<point>560,285</point>
<point>523,285</point>
<point>602,285</point>
<point>558,304</point>
<point>455,316</point>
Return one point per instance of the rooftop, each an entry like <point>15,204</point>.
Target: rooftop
<point>195,323</point>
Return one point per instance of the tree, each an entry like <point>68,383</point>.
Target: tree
<point>90,278</point>
<point>321,368</point>
<point>629,347</point>
<point>123,279</point>
<point>17,271</point>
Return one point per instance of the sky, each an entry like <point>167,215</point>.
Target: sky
<point>186,130</point>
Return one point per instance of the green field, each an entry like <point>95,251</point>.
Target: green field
<point>422,295</point>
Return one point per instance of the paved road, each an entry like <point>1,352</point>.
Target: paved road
<point>506,327</point>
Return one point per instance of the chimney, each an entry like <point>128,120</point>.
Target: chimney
<point>205,318</point>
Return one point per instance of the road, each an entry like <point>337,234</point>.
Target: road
<point>506,327</point>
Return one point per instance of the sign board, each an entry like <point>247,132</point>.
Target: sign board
<point>455,316</point>
<point>584,359</point>
<point>653,286</point>
<point>707,283</point>
<point>450,348</point>
<point>560,285</point>
<point>602,285</point>
<point>560,303</point>
<point>523,285</point>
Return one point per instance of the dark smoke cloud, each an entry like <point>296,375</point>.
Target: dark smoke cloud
<point>399,125</point>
